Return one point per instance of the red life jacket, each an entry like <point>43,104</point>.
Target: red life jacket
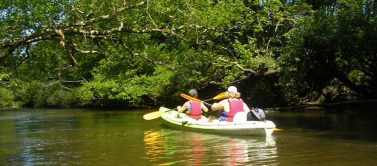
<point>235,106</point>
<point>195,110</point>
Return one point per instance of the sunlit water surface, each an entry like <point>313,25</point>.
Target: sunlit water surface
<point>122,137</point>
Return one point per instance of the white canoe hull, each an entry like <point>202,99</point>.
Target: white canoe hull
<point>239,127</point>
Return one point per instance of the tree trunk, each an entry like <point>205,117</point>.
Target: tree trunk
<point>363,90</point>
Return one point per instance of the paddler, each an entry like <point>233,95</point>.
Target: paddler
<point>230,106</point>
<point>192,108</point>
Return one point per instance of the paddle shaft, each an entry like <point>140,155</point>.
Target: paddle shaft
<point>194,99</point>
<point>218,97</point>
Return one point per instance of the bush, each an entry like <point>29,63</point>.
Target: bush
<point>6,98</point>
<point>62,98</point>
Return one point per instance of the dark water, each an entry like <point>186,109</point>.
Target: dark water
<point>122,137</point>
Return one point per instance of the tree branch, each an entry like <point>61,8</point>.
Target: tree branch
<point>108,17</point>
<point>144,57</point>
<point>10,51</point>
<point>85,51</point>
<point>26,57</point>
<point>50,33</point>
<point>149,15</point>
<point>249,70</point>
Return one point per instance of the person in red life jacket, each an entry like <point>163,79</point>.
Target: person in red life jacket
<point>194,109</point>
<point>230,106</point>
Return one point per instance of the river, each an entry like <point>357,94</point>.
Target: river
<point>121,137</point>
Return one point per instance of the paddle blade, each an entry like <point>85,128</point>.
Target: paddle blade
<point>276,129</point>
<point>220,96</point>
<point>164,109</point>
<point>190,98</point>
<point>157,114</point>
<point>153,115</point>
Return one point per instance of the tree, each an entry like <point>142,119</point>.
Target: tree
<point>132,52</point>
<point>333,47</point>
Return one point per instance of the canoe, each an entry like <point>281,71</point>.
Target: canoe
<point>240,126</point>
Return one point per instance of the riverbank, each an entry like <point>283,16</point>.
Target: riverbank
<point>360,105</point>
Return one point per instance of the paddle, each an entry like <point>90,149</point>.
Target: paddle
<point>194,99</point>
<point>157,114</point>
<point>218,97</point>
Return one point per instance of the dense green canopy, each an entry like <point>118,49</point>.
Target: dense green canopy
<point>144,53</point>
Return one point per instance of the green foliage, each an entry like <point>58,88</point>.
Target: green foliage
<point>127,86</point>
<point>144,53</point>
<point>27,93</point>
<point>7,97</point>
<point>330,45</point>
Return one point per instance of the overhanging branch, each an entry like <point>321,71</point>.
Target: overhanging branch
<point>144,57</point>
<point>268,72</point>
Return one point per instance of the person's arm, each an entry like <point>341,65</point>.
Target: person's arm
<point>183,108</point>
<point>245,108</point>
<point>204,108</point>
<point>218,106</point>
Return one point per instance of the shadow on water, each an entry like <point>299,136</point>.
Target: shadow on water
<point>345,124</point>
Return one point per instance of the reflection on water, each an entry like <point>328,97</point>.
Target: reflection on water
<point>197,152</point>
<point>154,145</point>
<point>190,148</point>
<point>102,137</point>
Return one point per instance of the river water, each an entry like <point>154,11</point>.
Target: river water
<point>122,137</point>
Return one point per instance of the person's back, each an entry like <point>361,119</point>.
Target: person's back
<point>230,106</point>
<point>194,109</point>
<point>235,106</point>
